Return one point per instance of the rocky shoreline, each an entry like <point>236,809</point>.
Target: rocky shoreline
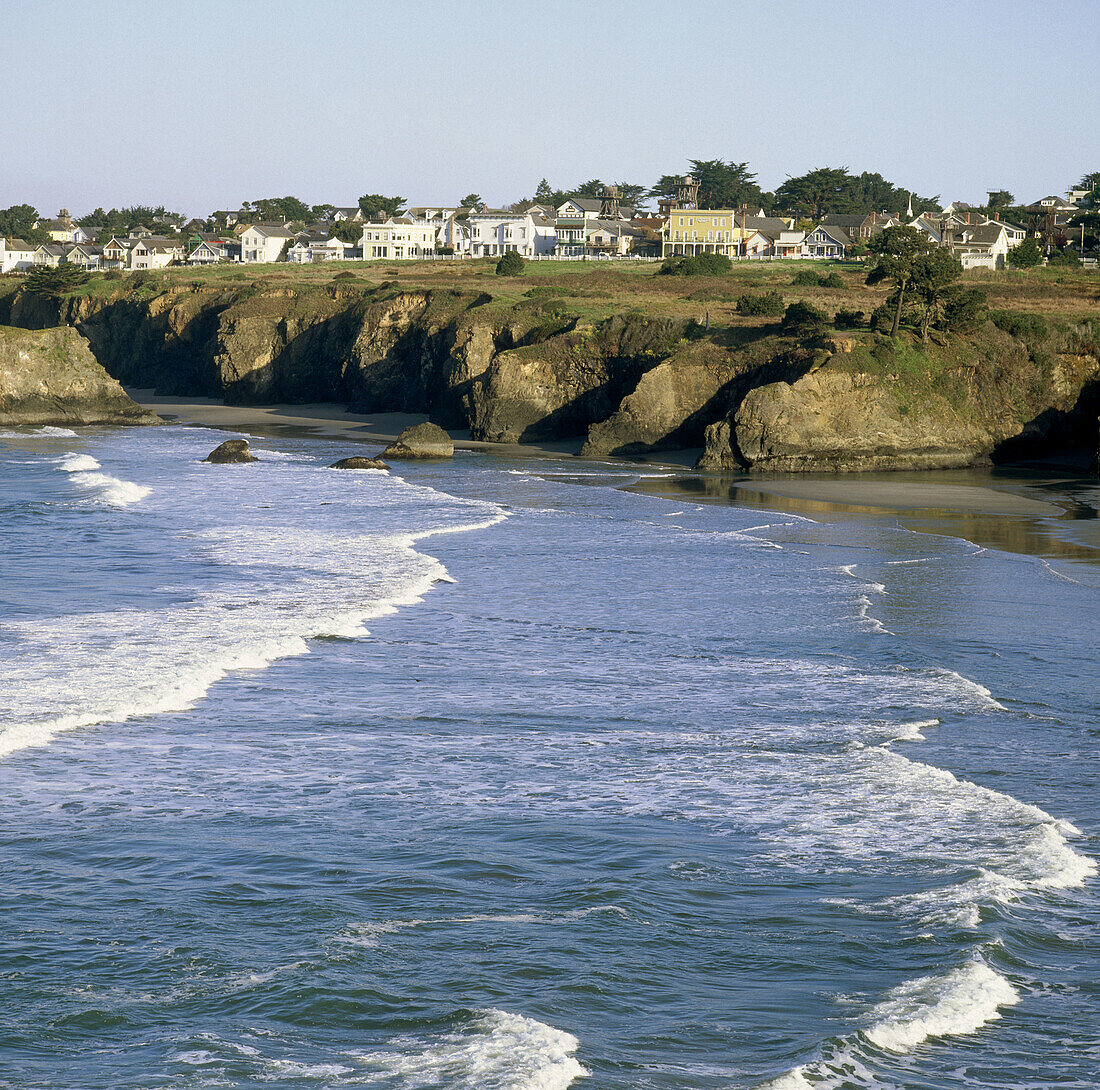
<point>49,377</point>
<point>629,385</point>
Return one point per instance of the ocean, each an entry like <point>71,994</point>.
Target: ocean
<point>524,773</point>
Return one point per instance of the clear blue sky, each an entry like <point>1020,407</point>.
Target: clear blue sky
<point>201,104</point>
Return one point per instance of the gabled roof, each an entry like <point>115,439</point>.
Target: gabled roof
<point>834,219</point>
<point>837,234</point>
<point>269,230</point>
<point>20,244</point>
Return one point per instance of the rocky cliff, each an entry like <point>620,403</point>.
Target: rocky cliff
<point>50,377</point>
<point>536,367</point>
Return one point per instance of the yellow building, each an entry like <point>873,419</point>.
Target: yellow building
<point>712,230</point>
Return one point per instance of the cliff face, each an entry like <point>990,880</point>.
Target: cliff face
<point>533,369</point>
<point>50,376</point>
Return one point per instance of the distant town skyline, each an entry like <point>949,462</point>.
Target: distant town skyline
<point>214,105</point>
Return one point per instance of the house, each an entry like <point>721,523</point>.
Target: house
<point>495,231</point>
<point>116,253</point>
<point>299,252</point>
<point>398,237</point>
<point>1052,204</point>
<point>263,242</point>
<point>63,229</point>
<point>589,208</point>
<point>339,215</point>
<point>155,253</point>
<point>209,251</point>
<point>789,244</point>
<point>16,255</point>
<point>86,255</point>
<point>50,254</point>
<point>826,241</point>
<point>860,226</point>
<point>979,246</point>
<point>758,243</point>
<point>614,238</point>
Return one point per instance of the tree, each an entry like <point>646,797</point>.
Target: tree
<point>322,211</point>
<point>372,204</point>
<point>474,201</point>
<point>52,282</point>
<point>1025,255</point>
<point>543,193</point>
<point>835,190</point>
<point>510,264</point>
<point>932,288</point>
<point>725,185</point>
<point>999,200</point>
<point>632,196</point>
<point>347,231</point>
<point>281,208</point>
<point>896,250</point>
<point>592,188</point>
<point>18,222</point>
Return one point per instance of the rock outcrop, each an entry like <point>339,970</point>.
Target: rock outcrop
<point>425,440</point>
<point>50,377</point>
<point>534,369</point>
<point>231,452</point>
<point>356,462</point>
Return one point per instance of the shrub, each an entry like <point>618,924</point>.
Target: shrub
<point>1068,259</point>
<point>771,302</point>
<point>511,264</point>
<point>802,317</point>
<point>964,309</point>
<point>805,278</point>
<point>112,274</point>
<point>1026,255</point>
<point>882,318</point>
<point>832,280</point>
<point>345,275</point>
<point>1021,326</point>
<point>848,319</point>
<point>696,265</point>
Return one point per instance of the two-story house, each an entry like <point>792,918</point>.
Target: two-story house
<point>263,242</point>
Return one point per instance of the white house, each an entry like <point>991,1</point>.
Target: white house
<point>155,253</point>
<point>116,253</point>
<point>495,232</point>
<point>263,242</point>
<point>16,255</point>
<point>399,237</point>
<point>789,244</point>
<point>63,229</point>
<point>209,252</point>
<point>86,255</point>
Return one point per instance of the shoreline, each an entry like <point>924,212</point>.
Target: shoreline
<point>328,420</point>
<point>1027,511</point>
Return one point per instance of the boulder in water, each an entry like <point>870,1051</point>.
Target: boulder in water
<point>421,441</point>
<point>356,462</point>
<point>231,452</point>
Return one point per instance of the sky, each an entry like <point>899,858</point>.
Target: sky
<point>203,104</point>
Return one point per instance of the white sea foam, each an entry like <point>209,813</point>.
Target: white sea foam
<point>110,490</point>
<point>278,585</point>
<point>73,462</point>
<point>498,1051</point>
<point>52,432</point>
<point>957,1002</point>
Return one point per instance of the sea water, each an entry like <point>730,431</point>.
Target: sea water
<point>498,775</point>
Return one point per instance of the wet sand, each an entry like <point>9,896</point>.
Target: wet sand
<point>329,420</point>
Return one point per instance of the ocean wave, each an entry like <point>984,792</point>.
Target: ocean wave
<point>955,1003</point>
<point>111,490</point>
<point>73,462</point>
<point>496,1050</point>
